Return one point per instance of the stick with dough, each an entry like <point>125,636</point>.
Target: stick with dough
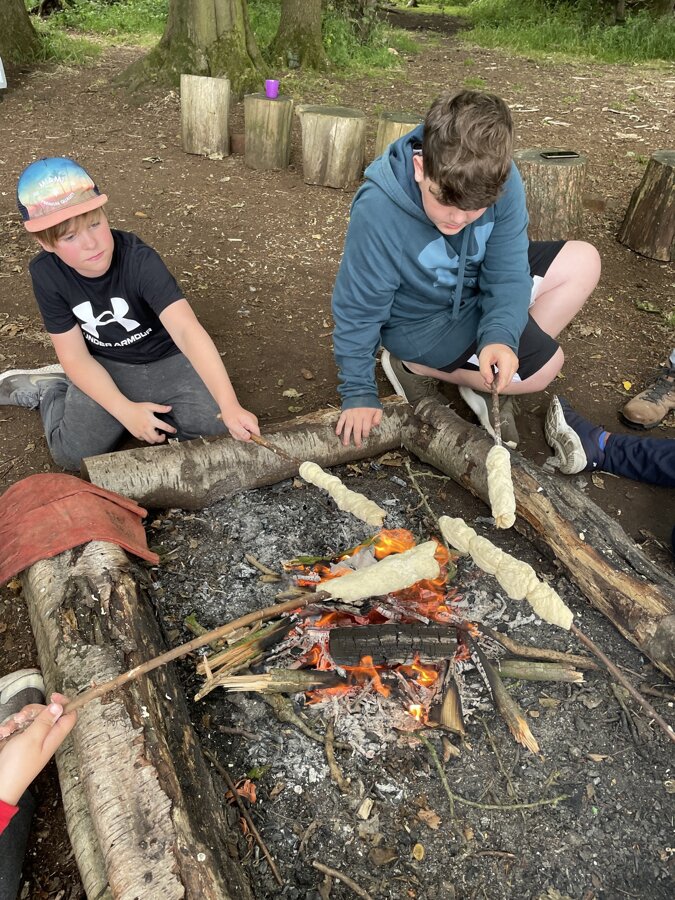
<point>500,486</point>
<point>349,501</point>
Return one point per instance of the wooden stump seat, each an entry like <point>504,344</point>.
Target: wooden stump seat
<point>554,192</point>
<point>205,110</point>
<point>333,146</point>
<point>268,131</point>
<point>391,127</point>
<point>648,227</point>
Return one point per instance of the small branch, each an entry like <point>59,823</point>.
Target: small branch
<point>284,711</point>
<point>496,413</point>
<point>636,695</point>
<point>345,879</point>
<point>456,798</point>
<point>335,771</point>
<point>224,774</point>
<point>261,567</point>
<point>533,670</point>
<point>529,652</point>
<point>274,448</point>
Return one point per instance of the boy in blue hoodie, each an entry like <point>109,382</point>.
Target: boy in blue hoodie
<point>437,268</point>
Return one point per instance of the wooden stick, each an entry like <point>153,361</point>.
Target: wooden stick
<point>496,412</point>
<point>534,670</point>
<point>268,445</point>
<point>183,649</point>
<point>621,678</point>
<point>224,774</point>
<point>345,879</point>
<point>529,652</point>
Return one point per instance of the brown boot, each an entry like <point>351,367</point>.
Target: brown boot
<point>652,405</point>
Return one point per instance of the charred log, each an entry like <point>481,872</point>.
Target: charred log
<point>392,644</point>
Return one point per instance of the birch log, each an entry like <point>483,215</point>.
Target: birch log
<point>195,474</point>
<point>205,110</point>
<point>554,193</point>
<point>616,577</point>
<point>268,131</point>
<point>143,817</point>
<point>333,146</point>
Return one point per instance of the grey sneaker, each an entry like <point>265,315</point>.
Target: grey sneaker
<point>21,387</point>
<point>18,689</point>
<point>411,387</point>
<point>481,404</point>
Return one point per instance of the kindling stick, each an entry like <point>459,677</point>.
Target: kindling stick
<point>263,442</point>
<point>496,413</point>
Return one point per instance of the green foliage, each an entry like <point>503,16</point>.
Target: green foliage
<point>578,29</point>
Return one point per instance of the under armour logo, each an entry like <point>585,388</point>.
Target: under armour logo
<point>91,323</point>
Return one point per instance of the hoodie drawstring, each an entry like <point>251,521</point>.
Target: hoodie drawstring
<point>456,300</point>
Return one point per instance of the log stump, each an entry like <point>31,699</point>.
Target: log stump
<point>143,816</point>
<point>648,227</point>
<point>391,127</point>
<point>205,110</point>
<point>554,193</point>
<point>268,131</point>
<point>333,146</point>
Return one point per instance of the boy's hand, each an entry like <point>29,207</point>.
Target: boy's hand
<point>357,423</point>
<point>24,755</point>
<point>141,421</point>
<point>504,359</point>
<point>240,423</point>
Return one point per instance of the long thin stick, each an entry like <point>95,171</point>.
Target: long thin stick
<point>496,413</point>
<point>263,442</point>
<point>345,879</point>
<point>261,615</point>
<point>621,678</point>
<point>224,774</point>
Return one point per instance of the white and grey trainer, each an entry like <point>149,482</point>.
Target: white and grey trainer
<point>21,387</point>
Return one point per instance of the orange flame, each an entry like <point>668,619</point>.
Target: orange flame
<point>393,540</point>
<point>417,712</point>
<point>367,670</point>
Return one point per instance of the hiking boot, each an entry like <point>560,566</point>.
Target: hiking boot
<point>481,404</point>
<point>411,387</point>
<point>652,405</point>
<point>578,445</point>
<point>18,689</point>
<point>21,387</point>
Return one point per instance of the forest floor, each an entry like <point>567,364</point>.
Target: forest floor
<point>257,254</point>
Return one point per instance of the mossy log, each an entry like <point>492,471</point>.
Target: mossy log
<point>636,595</point>
<point>333,146</point>
<point>391,127</point>
<point>268,131</point>
<point>205,112</point>
<point>648,227</point>
<point>143,817</point>
<point>554,194</point>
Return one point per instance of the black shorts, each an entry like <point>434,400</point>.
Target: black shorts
<point>535,347</point>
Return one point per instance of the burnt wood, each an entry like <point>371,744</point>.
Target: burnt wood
<point>392,644</point>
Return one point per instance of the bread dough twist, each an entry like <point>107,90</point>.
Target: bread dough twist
<point>349,501</point>
<point>500,487</point>
<point>518,579</point>
<point>393,573</point>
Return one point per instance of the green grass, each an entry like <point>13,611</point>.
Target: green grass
<point>580,30</point>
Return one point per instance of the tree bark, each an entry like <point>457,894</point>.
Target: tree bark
<point>554,193</point>
<point>18,39</point>
<point>143,817</point>
<point>615,576</point>
<point>648,227</point>
<point>195,474</point>
<point>298,40</point>
<point>268,131</point>
<point>203,37</point>
<point>333,146</point>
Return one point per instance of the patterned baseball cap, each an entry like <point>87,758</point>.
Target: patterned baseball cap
<point>53,190</point>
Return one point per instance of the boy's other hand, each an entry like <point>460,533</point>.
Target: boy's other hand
<point>27,753</point>
<point>357,423</point>
<point>240,423</point>
<point>142,422</point>
<point>504,359</point>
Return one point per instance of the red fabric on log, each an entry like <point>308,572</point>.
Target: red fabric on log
<point>43,515</point>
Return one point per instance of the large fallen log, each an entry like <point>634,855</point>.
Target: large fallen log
<point>195,474</point>
<point>618,579</point>
<point>143,817</point>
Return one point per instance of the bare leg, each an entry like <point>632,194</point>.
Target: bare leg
<point>472,379</point>
<point>568,283</point>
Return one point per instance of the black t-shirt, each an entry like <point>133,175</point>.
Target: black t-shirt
<point>118,312</point>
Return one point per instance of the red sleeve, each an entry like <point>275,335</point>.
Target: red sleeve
<point>7,812</point>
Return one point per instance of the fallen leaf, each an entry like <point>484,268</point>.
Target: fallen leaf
<point>430,818</point>
<point>627,385</point>
<point>382,856</point>
<point>597,757</point>
<point>141,215</point>
<point>295,409</point>
<point>292,393</point>
<point>647,306</point>
<point>598,481</point>
<point>307,374</point>
<point>418,852</point>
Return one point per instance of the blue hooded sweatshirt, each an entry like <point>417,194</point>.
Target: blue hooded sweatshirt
<point>425,296</point>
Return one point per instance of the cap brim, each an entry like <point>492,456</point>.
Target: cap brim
<point>62,215</point>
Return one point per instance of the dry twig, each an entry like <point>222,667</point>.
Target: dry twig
<point>335,771</point>
<point>345,879</point>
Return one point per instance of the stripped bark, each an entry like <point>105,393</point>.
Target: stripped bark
<point>142,814</point>
<point>611,571</point>
<point>195,474</point>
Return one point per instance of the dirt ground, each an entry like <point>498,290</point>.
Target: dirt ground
<point>257,254</point>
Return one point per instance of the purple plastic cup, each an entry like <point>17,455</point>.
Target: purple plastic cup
<point>271,88</point>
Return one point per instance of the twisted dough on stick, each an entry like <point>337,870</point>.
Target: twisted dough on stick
<point>500,487</point>
<point>517,578</point>
<point>349,501</point>
<point>393,573</point>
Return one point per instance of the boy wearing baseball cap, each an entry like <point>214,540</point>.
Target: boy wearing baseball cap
<point>133,357</point>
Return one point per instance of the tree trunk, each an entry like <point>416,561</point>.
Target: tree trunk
<point>143,817</point>
<point>617,578</point>
<point>203,37</point>
<point>18,39</point>
<point>648,227</point>
<point>554,194</point>
<point>333,146</point>
<point>268,131</point>
<point>298,39</point>
<point>195,474</point>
